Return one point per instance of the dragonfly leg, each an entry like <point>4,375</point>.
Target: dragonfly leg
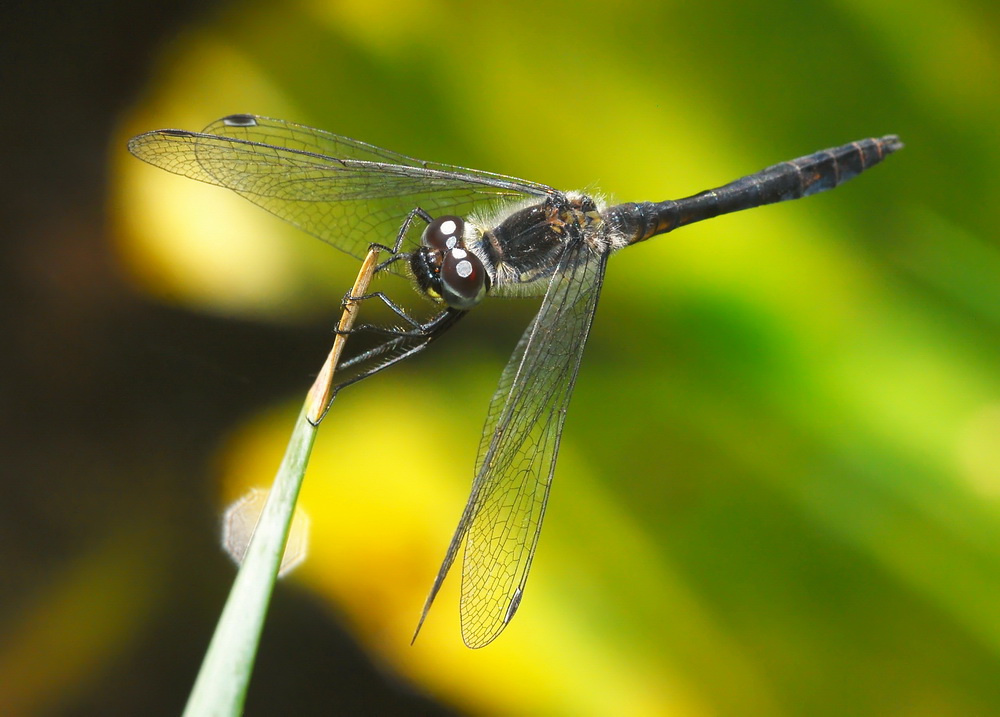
<point>392,306</point>
<point>410,342</point>
<point>394,250</point>
<point>405,228</point>
<point>393,331</point>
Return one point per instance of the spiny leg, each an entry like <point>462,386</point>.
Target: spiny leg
<point>426,333</point>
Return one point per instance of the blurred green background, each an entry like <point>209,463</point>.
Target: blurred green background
<point>778,486</point>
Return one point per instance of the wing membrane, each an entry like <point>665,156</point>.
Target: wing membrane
<point>297,137</point>
<point>503,516</point>
<point>345,192</point>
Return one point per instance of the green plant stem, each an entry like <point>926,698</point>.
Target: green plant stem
<point>220,689</point>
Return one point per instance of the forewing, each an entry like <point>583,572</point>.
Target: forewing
<point>289,135</point>
<point>351,200</point>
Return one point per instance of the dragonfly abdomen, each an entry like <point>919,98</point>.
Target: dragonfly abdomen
<point>794,179</point>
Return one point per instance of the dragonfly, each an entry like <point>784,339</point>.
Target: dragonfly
<point>483,235</point>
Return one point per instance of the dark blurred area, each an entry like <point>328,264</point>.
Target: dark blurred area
<point>111,406</point>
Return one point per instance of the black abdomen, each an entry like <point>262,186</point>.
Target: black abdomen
<point>794,179</point>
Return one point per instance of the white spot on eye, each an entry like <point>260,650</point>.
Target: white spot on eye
<point>449,227</point>
<point>459,253</point>
<point>463,268</point>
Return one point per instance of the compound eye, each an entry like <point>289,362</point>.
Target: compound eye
<point>444,233</point>
<point>463,279</point>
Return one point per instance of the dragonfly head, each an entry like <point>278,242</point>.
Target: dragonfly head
<point>445,270</point>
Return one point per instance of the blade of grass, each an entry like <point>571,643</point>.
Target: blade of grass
<point>220,688</point>
<point>221,685</point>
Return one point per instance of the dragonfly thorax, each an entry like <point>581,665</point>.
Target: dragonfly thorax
<point>524,246</point>
<point>445,270</point>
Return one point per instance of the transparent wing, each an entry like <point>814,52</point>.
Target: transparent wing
<point>292,136</point>
<point>517,457</point>
<point>347,193</point>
